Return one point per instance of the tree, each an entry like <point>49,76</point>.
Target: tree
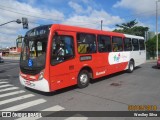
<point>128,24</point>
<point>151,45</point>
<point>130,28</point>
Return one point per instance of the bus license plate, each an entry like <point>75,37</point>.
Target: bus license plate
<point>29,83</point>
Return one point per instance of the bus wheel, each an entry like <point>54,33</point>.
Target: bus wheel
<point>131,66</point>
<point>83,79</point>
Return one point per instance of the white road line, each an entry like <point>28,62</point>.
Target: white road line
<point>11,93</point>
<point>8,85</point>
<point>3,79</point>
<point>16,99</point>
<point>77,118</point>
<point>11,88</point>
<point>54,108</point>
<point>24,105</point>
<point>8,63</point>
<point>3,82</point>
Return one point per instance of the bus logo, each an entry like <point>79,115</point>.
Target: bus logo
<point>30,63</point>
<point>117,58</point>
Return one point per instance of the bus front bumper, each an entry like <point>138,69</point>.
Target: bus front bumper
<point>41,85</point>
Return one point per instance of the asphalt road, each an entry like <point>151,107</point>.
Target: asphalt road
<point>111,93</point>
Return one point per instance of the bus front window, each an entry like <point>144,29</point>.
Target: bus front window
<point>33,55</point>
<point>34,50</point>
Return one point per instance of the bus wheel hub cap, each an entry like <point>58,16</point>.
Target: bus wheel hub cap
<point>83,78</point>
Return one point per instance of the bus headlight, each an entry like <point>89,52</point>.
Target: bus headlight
<point>41,76</point>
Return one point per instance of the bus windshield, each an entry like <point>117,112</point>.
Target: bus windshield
<point>33,54</point>
<point>33,49</point>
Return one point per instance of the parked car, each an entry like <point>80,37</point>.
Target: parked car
<point>1,60</point>
<point>158,62</point>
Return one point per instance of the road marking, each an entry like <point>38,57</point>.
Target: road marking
<point>11,88</point>
<point>24,105</point>
<point>16,99</point>
<point>11,64</point>
<point>3,79</point>
<point>11,93</point>
<point>77,118</point>
<point>8,85</point>
<point>54,108</point>
<point>3,82</point>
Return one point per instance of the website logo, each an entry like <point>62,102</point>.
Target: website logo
<point>117,57</point>
<point>6,114</point>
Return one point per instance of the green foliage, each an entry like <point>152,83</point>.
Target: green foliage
<point>130,28</point>
<point>128,24</point>
<point>151,45</point>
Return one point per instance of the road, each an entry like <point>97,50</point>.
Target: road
<point>111,93</point>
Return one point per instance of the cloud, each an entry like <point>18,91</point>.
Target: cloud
<point>78,8</point>
<point>85,13</point>
<point>141,7</point>
<point>91,17</point>
<point>12,10</point>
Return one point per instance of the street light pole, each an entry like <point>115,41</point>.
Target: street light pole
<point>17,21</point>
<point>101,24</point>
<point>157,25</point>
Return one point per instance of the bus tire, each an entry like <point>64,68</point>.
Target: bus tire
<point>83,79</point>
<point>131,67</point>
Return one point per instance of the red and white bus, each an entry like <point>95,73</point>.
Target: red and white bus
<point>57,56</point>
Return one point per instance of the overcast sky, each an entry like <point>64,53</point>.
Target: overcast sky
<point>85,13</point>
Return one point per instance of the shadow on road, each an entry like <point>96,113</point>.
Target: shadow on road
<point>54,92</point>
<point>155,67</point>
<point>112,75</point>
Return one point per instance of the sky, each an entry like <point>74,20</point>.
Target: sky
<point>83,13</point>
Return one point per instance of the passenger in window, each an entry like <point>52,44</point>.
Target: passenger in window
<point>120,48</point>
<point>115,48</point>
<point>60,51</point>
<point>92,48</point>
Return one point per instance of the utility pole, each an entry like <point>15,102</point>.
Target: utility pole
<point>101,24</point>
<point>157,26</point>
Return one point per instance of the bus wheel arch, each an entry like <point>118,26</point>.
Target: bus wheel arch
<point>131,66</point>
<point>84,77</point>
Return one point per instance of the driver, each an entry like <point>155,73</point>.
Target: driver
<point>60,51</point>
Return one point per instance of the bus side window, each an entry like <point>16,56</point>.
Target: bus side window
<point>86,43</point>
<point>62,49</point>
<point>104,43</point>
<point>127,44</point>
<point>142,44</point>
<point>117,44</point>
<point>135,44</point>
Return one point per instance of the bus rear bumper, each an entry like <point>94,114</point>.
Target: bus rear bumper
<point>41,85</point>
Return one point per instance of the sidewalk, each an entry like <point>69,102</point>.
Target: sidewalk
<point>147,61</point>
<point>11,58</point>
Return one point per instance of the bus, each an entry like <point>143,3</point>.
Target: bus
<point>58,56</point>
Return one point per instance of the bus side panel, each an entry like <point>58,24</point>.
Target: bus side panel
<point>63,75</point>
<point>100,62</point>
<point>117,61</point>
<point>109,63</point>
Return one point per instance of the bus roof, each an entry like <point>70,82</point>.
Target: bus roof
<point>133,36</point>
<point>87,30</point>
